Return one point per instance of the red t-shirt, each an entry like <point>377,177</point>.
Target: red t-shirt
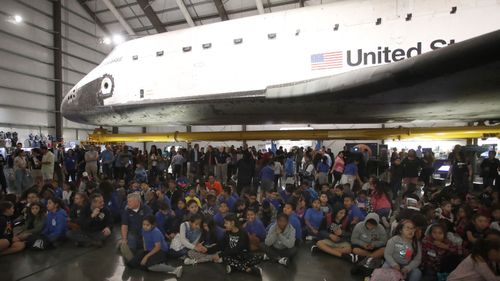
<point>217,186</point>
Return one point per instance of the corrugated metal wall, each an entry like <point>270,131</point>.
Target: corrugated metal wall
<point>26,64</point>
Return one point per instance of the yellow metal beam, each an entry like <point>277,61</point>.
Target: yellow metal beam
<point>348,134</point>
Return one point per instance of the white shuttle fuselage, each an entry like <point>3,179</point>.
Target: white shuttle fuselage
<point>267,68</point>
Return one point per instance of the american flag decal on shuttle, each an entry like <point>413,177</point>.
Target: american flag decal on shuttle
<point>327,60</point>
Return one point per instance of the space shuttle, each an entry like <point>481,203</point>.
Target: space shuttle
<point>344,62</point>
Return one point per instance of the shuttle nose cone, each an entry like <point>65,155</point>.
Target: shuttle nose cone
<point>69,106</point>
<point>82,103</point>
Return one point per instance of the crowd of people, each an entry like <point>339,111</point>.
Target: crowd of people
<point>240,207</point>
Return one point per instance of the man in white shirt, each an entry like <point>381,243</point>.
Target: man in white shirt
<point>47,164</point>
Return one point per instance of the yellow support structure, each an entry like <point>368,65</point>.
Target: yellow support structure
<point>347,134</point>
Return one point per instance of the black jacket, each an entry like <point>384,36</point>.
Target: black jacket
<point>97,224</point>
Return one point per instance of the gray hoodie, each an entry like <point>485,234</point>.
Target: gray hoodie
<point>362,236</point>
<point>283,240</point>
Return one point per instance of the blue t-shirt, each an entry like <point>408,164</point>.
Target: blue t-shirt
<point>267,173</point>
<point>351,169</point>
<point>70,163</point>
<point>323,167</point>
<point>355,212</point>
<point>256,227</point>
<point>289,167</point>
<point>230,201</point>
<point>219,219</point>
<point>315,217</point>
<point>295,222</point>
<point>152,237</point>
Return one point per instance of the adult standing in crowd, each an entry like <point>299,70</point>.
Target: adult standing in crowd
<point>20,171</point>
<point>461,171</point>
<point>177,162</point>
<point>70,165</point>
<point>221,165</point>
<point>489,169</point>
<point>107,158</point>
<point>245,171</point>
<point>47,164</point>
<point>194,161</point>
<point>411,166</point>
<point>209,161</point>
<point>58,163</point>
<point>91,158</point>
<point>36,163</point>
<point>3,180</point>
<point>338,167</point>
<point>427,167</point>
<point>153,159</point>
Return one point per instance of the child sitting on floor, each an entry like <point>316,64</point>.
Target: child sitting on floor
<point>9,244</point>
<point>438,252</point>
<point>313,219</point>
<point>153,255</point>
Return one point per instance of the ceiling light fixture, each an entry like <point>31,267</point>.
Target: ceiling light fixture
<point>18,19</point>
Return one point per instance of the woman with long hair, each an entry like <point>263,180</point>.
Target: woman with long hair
<point>338,168</point>
<point>476,267</point>
<point>404,252</point>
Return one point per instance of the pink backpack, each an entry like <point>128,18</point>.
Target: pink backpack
<point>386,274</point>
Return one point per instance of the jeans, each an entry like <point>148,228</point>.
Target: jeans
<point>107,171</point>
<point>21,180</point>
<point>134,242</point>
<point>221,172</point>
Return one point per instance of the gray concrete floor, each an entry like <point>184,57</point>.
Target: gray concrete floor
<point>85,264</point>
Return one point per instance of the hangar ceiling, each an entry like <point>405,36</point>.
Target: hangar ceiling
<point>146,17</point>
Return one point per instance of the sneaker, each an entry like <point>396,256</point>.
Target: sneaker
<point>350,258</point>
<point>283,261</point>
<point>228,269</point>
<point>188,261</point>
<point>314,249</point>
<point>265,257</point>
<point>177,272</point>
<point>309,238</point>
<point>257,271</point>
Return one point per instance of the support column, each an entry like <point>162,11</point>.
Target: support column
<point>470,141</point>
<point>144,130</point>
<point>244,129</point>
<point>56,22</point>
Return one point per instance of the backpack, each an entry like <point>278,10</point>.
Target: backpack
<point>309,170</point>
<point>386,274</point>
